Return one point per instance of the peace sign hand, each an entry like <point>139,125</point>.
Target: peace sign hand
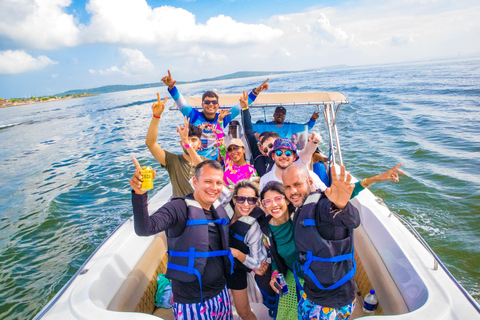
<point>223,113</point>
<point>159,106</point>
<point>168,81</point>
<point>183,131</point>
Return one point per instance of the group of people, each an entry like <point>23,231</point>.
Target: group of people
<point>266,213</point>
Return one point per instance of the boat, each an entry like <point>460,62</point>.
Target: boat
<point>118,280</point>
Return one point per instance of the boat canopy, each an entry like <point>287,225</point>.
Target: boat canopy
<point>275,99</point>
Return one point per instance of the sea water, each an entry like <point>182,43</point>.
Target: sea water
<point>65,165</point>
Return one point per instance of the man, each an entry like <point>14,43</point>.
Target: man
<point>284,129</point>
<point>324,225</point>
<point>180,167</point>
<point>284,154</point>
<point>207,118</point>
<point>197,238</point>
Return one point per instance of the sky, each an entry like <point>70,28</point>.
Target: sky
<point>51,46</point>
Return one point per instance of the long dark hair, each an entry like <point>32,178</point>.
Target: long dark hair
<point>278,187</point>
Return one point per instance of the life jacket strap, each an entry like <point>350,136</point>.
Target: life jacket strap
<point>238,237</point>
<point>199,222</point>
<point>311,258</point>
<point>191,255</point>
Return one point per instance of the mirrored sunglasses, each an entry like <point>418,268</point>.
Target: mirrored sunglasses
<point>210,102</point>
<point>250,200</point>
<point>288,153</point>
<point>269,202</point>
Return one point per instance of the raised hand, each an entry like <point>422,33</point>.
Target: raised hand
<point>159,106</point>
<point>315,115</point>
<point>136,180</point>
<point>183,131</point>
<point>244,100</point>
<point>223,113</point>
<point>315,137</point>
<point>168,80</point>
<point>340,190</point>
<point>262,87</point>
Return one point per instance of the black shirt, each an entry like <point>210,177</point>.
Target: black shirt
<point>172,218</point>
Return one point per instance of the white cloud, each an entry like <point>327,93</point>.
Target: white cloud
<point>19,61</point>
<point>135,22</point>
<point>39,24</point>
<point>135,63</point>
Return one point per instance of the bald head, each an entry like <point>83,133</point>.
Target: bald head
<point>298,184</point>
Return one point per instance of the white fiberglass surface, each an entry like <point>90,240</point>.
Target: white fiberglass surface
<point>401,269</point>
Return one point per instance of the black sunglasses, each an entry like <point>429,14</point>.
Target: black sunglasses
<point>279,153</point>
<point>230,149</point>
<point>210,102</point>
<point>250,200</point>
<point>268,147</point>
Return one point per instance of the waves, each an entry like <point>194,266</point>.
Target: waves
<point>65,167</point>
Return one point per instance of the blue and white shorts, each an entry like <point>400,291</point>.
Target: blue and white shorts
<point>310,310</point>
<point>217,308</point>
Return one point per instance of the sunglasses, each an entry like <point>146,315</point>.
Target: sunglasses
<point>269,202</point>
<point>207,102</point>
<point>270,146</point>
<point>250,200</point>
<point>279,153</point>
<point>232,148</point>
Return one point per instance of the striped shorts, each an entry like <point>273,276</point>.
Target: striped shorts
<point>217,308</point>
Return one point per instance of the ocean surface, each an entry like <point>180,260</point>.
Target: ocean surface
<point>65,165</point>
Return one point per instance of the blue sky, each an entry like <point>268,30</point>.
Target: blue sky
<point>51,46</point>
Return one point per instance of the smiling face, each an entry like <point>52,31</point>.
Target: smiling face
<point>208,186</point>
<point>297,186</point>
<point>209,108</point>
<point>278,208</point>
<point>278,117</point>
<point>244,209</point>
<point>236,153</point>
<point>283,161</point>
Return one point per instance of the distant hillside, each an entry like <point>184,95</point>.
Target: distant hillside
<point>121,87</point>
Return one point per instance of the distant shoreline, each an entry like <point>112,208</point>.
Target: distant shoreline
<point>21,102</point>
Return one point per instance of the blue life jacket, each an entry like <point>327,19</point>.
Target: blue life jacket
<point>327,264</point>
<point>188,253</point>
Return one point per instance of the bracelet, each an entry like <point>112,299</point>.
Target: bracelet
<point>254,92</point>
<point>275,273</point>
<point>364,183</point>
<point>186,146</point>
<point>158,117</point>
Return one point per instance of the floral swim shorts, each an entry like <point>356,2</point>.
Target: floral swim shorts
<point>217,308</point>
<point>310,310</point>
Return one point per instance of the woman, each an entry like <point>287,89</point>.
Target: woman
<point>236,166</point>
<point>281,245</point>
<point>245,243</point>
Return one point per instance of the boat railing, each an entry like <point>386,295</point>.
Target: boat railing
<point>436,259</point>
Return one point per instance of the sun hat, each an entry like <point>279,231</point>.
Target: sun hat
<point>235,142</point>
<point>284,143</point>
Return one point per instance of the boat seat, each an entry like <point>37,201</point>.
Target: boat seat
<point>137,292</point>
<point>372,274</point>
